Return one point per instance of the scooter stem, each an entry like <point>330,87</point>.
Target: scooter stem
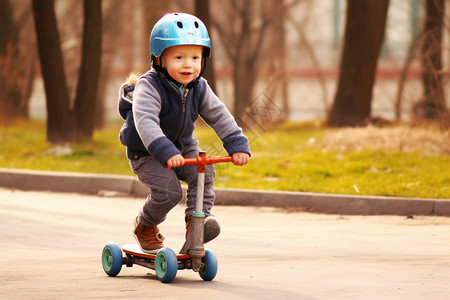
<point>194,240</point>
<point>201,169</point>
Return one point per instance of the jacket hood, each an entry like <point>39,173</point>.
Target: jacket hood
<point>125,102</point>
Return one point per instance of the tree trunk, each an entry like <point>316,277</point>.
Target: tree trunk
<point>432,105</point>
<point>59,121</point>
<point>243,81</point>
<point>6,25</point>
<point>403,77</point>
<point>86,94</point>
<point>203,13</point>
<point>248,47</point>
<point>244,64</point>
<point>277,82</point>
<point>153,11</point>
<point>17,61</point>
<point>364,32</point>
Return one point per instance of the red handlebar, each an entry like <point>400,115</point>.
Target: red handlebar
<point>207,160</point>
<point>202,161</point>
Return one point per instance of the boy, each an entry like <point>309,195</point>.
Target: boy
<point>159,126</point>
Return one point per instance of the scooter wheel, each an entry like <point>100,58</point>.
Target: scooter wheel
<point>112,259</point>
<point>209,269</point>
<point>166,265</point>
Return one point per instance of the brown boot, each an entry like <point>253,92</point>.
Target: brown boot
<point>148,237</point>
<point>211,228</point>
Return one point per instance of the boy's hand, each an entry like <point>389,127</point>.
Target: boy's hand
<point>175,161</point>
<point>240,158</point>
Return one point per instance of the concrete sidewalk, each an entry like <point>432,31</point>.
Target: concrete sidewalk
<point>51,245</point>
<point>69,182</point>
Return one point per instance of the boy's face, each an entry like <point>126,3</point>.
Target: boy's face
<point>183,63</point>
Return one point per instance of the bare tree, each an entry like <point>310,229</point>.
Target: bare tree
<point>364,33</point>
<point>51,59</point>
<point>432,105</point>
<point>277,80</point>
<point>86,93</point>
<point>63,123</point>
<point>242,27</point>
<point>17,59</point>
<point>6,28</point>
<point>203,13</point>
<point>412,49</point>
<point>115,40</point>
<point>304,43</point>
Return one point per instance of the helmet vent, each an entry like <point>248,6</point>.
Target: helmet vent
<point>179,24</point>
<point>196,24</point>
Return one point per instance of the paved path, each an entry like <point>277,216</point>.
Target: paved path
<point>50,245</point>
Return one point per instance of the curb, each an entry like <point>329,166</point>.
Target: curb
<point>85,183</point>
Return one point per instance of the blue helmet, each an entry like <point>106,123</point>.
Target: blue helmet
<point>178,29</point>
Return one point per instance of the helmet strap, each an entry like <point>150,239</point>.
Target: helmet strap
<point>160,69</point>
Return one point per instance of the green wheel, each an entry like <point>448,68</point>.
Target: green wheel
<point>112,259</point>
<point>209,269</point>
<point>166,265</point>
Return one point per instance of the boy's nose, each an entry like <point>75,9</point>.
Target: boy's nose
<point>187,63</point>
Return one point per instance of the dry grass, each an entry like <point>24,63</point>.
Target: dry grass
<point>398,138</point>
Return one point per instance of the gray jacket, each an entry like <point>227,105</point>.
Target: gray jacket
<point>164,116</point>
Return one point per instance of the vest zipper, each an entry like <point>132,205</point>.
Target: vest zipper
<point>183,115</point>
<point>186,91</point>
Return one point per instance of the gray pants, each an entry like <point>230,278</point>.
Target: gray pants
<point>165,186</point>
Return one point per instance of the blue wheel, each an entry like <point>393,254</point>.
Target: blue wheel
<point>209,269</point>
<point>112,259</point>
<point>166,265</point>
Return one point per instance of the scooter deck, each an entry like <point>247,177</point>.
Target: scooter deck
<point>135,250</point>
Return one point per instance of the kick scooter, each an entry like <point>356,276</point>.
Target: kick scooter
<point>165,262</point>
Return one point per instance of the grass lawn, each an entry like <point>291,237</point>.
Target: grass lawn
<point>293,158</point>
